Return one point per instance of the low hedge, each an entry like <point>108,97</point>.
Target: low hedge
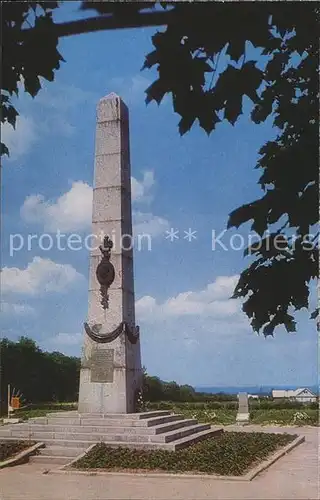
<point>231,453</point>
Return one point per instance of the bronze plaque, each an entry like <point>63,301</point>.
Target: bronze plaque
<point>102,365</point>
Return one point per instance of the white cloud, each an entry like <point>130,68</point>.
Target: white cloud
<point>197,333</point>
<point>65,339</point>
<point>52,108</point>
<point>140,190</point>
<point>16,309</point>
<point>55,105</point>
<point>66,343</point>
<point>71,212</point>
<point>19,140</point>
<point>221,288</point>
<point>62,97</point>
<point>130,89</point>
<point>148,223</point>
<point>212,302</point>
<point>41,275</point>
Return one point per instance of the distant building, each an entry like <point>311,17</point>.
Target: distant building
<point>251,396</point>
<point>303,395</point>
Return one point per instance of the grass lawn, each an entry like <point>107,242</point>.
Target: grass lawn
<point>41,410</point>
<point>231,453</point>
<point>219,416</point>
<point>33,413</point>
<point>203,413</point>
<point>8,449</point>
<point>269,416</point>
<point>285,417</point>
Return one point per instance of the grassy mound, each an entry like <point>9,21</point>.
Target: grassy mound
<point>231,453</point>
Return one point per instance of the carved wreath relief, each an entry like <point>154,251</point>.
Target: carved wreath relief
<point>105,274</point>
<point>97,335</point>
<point>105,271</point>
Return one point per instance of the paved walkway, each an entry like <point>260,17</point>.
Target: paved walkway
<point>294,476</point>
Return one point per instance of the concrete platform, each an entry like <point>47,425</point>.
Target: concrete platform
<point>66,435</point>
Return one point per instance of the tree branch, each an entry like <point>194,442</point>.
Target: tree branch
<point>110,23</point>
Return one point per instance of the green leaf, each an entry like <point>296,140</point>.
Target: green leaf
<point>314,314</point>
<point>236,48</point>
<point>12,114</point>
<point>32,84</point>
<point>155,92</point>
<point>233,108</point>
<point>186,123</point>
<point>4,150</point>
<point>150,60</point>
<point>252,78</point>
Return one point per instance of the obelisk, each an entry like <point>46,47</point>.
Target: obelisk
<point>111,375</point>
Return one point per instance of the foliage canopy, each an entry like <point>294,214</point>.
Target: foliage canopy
<point>203,60</point>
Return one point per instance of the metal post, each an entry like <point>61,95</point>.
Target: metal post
<point>8,400</point>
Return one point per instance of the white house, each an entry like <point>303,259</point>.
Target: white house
<point>303,395</point>
<point>253,396</point>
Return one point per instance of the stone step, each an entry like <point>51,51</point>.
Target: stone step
<point>93,422</point>
<point>172,446</point>
<point>134,416</point>
<point>63,455</point>
<point>57,442</point>
<point>62,451</point>
<point>33,429</point>
<point>47,437</point>
<point>112,444</point>
<point>37,420</point>
<point>65,414</point>
<point>177,434</point>
<point>194,438</point>
<point>136,445</point>
<point>108,416</point>
<point>5,433</point>
<point>49,459</point>
<point>70,443</point>
<point>169,426</point>
<point>180,443</point>
<point>104,436</point>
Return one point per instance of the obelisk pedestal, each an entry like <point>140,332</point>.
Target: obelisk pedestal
<point>111,362</point>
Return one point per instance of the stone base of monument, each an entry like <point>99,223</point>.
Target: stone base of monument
<point>242,418</point>
<point>68,434</point>
<point>11,420</point>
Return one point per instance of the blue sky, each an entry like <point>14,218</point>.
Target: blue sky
<point>190,331</point>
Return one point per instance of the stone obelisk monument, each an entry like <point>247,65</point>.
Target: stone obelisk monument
<point>111,376</point>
